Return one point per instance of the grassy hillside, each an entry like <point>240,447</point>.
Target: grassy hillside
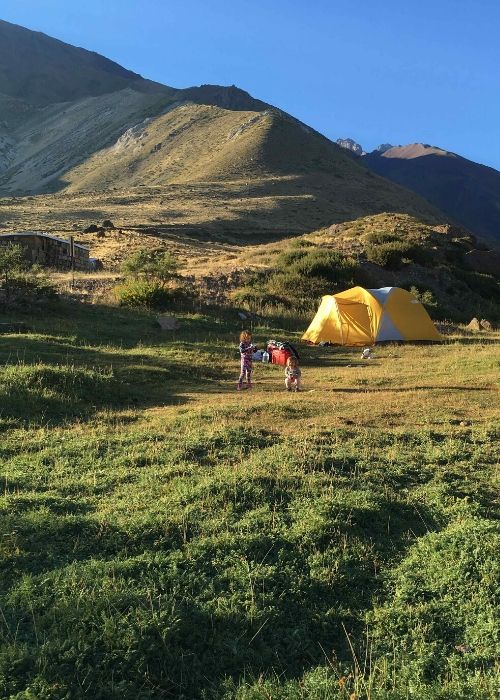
<point>438,261</point>
<point>165,536</point>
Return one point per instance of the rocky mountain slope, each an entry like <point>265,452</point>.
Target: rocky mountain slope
<point>74,122</point>
<point>466,191</point>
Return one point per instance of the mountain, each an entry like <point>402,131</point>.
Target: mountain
<point>351,145</point>
<point>40,70</point>
<point>467,192</point>
<point>74,122</point>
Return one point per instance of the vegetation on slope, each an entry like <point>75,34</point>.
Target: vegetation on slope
<point>164,536</point>
<point>436,262</point>
<point>433,262</point>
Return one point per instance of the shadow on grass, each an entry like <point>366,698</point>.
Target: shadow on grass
<point>46,380</point>
<point>245,602</point>
<point>367,389</point>
<point>80,359</point>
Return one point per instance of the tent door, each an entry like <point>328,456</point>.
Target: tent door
<point>355,323</point>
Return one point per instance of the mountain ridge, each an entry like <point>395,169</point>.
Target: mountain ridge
<point>145,135</point>
<point>466,191</point>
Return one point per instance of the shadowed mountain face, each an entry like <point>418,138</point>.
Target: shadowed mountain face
<point>40,70</point>
<point>73,121</point>
<point>466,191</point>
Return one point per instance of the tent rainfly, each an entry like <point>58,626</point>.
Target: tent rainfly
<point>365,316</point>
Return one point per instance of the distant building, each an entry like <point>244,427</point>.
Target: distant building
<point>49,251</point>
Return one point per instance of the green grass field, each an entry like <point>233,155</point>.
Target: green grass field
<point>164,536</point>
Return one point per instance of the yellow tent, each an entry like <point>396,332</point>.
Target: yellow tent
<point>364,316</point>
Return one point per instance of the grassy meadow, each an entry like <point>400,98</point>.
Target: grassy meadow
<point>164,536</point>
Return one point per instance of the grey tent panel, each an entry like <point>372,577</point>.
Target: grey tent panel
<point>382,294</point>
<point>387,330</point>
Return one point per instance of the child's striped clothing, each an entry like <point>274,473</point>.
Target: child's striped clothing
<point>246,352</point>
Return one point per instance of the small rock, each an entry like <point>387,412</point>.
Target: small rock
<point>91,229</point>
<point>167,322</point>
<point>486,325</point>
<point>107,224</point>
<point>474,325</point>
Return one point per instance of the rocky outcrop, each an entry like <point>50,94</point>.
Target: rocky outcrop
<point>351,145</point>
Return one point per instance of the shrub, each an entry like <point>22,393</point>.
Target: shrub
<point>389,255</point>
<point>425,297</point>
<point>12,261</point>
<point>303,274</point>
<point>255,299</point>
<point>484,285</point>
<point>154,265</point>
<point>142,293</point>
<point>379,237</point>
<point>298,290</point>
<point>29,287</point>
<point>301,243</point>
<point>317,262</point>
<point>151,281</point>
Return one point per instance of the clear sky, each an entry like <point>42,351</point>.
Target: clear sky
<point>395,71</point>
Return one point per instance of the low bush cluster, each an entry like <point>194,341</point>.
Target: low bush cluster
<point>152,281</point>
<point>394,253</point>
<point>139,293</point>
<point>301,276</point>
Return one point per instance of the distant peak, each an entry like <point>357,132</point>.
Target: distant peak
<point>415,150</point>
<point>351,145</point>
<point>384,147</point>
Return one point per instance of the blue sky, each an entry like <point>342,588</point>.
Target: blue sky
<point>375,70</point>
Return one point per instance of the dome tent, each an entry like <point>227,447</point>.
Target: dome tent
<point>365,316</point>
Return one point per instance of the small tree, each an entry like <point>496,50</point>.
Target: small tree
<point>23,284</point>
<point>150,275</point>
<point>12,261</point>
<point>153,265</point>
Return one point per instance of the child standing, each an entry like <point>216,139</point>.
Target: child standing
<point>292,374</point>
<point>246,351</point>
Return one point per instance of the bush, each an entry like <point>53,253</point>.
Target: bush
<point>317,262</point>
<point>484,285</point>
<point>303,274</point>
<point>380,237</point>
<point>425,297</point>
<point>389,255</point>
<point>255,299</point>
<point>142,293</point>
<point>297,290</point>
<point>12,261</point>
<point>153,265</point>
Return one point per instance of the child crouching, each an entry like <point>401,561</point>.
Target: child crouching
<point>292,374</point>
